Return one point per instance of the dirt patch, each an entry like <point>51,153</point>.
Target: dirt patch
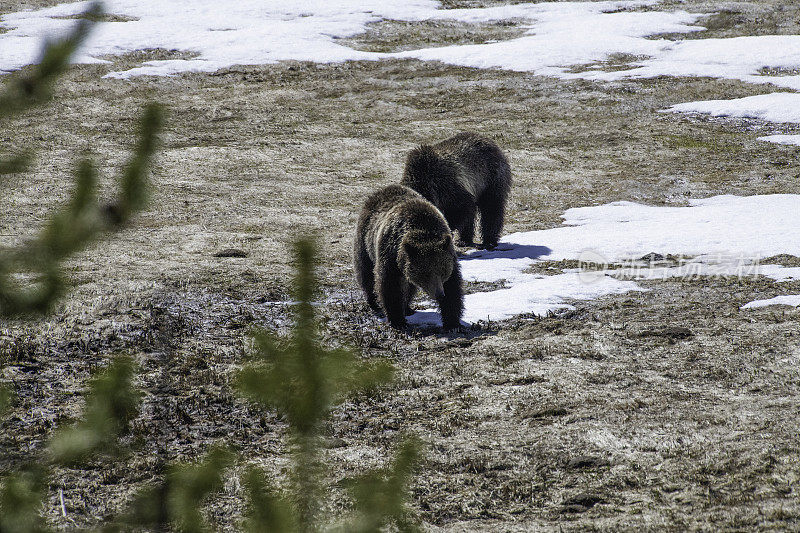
<point>725,20</point>
<point>778,71</point>
<point>398,36</point>
<point>783,259</point>
<point>670,333</point>
<point>105,17</point>
<point>613,63</point>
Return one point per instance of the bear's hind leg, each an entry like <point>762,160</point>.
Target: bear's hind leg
<point>492,205</point>
<point>466,226</point>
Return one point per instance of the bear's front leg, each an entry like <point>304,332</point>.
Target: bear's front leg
<point>451,305</point>
<point>389,288</point>
<point>409,290</point>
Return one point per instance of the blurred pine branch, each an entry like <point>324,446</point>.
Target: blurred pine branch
<point>176,503</point>
<point>112,400</point>
<point>36,88</point>
<point>82,220</point>
<point>302,380</point>
<point>295,376</point>
<point>111,403</point>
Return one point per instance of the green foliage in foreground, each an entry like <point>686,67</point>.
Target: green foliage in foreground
<point>379,496</point>
<point>302,380</point>
<point>83,219</point>
<point>177,501</point>
<point>298,378</point>
<point>36,88</point>
<point>30,275</point>
<point>5,400</point>
<point>111,402</point>
<point>21,496</point>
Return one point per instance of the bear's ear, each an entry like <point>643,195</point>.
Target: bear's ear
<point>447,241</point>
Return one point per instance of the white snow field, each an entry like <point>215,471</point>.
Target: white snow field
<point>725,235</point>
<point>266,31</point>
<point>559,35</point>
<point>782,139</point>
<point>735,58</point>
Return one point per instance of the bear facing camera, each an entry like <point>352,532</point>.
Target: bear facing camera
<point>463,175</point>
<point>403,243</point>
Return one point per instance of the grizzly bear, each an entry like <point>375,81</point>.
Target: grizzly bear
<point>462,175</point>
<point>403,243</point>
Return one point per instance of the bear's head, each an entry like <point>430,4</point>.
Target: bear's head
<point>428,261</point>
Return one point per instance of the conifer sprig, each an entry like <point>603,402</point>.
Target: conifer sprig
<point>30,275</point>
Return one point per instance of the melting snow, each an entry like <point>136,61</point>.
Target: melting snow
<point>562,34</point>
<point>789,299</point>
<point>558,36</point>
<point>773,107</point>
<point>266,31</point>
<point>780,107</point>
<point>724,235</point>
<point>782,139</point>
<point>735,58</point>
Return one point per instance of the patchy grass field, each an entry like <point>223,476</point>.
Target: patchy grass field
<point>669,409</point>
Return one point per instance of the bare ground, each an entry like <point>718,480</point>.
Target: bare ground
<point>664,410</point>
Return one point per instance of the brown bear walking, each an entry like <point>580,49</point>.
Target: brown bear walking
<point>403,242</point>
<point>462,175</point>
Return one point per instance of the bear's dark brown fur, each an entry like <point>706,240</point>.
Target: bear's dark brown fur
<point>462,175</point>
<point>403,242</point>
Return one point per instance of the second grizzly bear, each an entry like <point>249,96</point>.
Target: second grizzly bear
<point>462,175</point>
<point>403,242</point>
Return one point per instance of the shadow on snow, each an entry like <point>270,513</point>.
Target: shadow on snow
<point>508,251</point>
<point>431,318</point>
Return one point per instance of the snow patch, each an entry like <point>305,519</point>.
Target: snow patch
<point>265,31</point>
<point>774,107</point>
<point>243,32</point>
<point>779,273</point>
<point>788,299</point>
<point>723,225</point>
<point>723,235</point>
<point>782,139</point>
<point>559,35</point>
<point>530,294</point>
<point>735,58</point>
